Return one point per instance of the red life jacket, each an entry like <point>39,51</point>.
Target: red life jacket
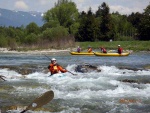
<point>103,50</point>
<point>120,50</point>
<point>55,68</point>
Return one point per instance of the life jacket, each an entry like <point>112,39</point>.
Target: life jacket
<point>78,50</point>
<point>89,50</point>
<point>55,68</point>
<point>120,50</point>
<point>103,50</point>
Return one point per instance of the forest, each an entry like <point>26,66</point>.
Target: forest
<point>64,25</point>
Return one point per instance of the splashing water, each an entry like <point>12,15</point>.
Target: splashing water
<point>92,92</point>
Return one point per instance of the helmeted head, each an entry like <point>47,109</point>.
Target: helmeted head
<point>89,46</point>
<point>118,45</point>
<point>53,60</point>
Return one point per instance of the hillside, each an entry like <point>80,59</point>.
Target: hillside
<point>18,18</point>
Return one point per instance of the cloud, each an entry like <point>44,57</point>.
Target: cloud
<point>21,5</point>
<point>43,2</point>
<point>123,10</point>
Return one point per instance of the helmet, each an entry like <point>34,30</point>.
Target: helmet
<point>119,45</point>
<point>53,59</point>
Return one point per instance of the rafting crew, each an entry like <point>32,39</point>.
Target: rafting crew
<point>103,50</point>
<point>54,67</point>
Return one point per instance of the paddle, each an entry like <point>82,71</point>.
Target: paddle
<point>40,101</point>
<point>66,69</point>
<point>71,73</point>
<point>2,77</point>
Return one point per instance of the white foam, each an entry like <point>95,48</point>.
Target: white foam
<point>85,86</point>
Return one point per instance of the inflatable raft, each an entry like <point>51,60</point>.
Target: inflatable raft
<point>81,53</point>
<point>111,54</point>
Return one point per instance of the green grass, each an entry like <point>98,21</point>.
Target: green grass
<point>126,45</point>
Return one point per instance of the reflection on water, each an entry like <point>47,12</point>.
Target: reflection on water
<point>93,92</point>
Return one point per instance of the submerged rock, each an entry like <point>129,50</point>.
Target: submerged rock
<point>130,81</point>
<point>136,81</point>
<point>23,70</point>
<point>17,108</point>
<point>85,68</point>
<point>128,101</point>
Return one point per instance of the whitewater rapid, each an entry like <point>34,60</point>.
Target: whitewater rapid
<point>92,92</point>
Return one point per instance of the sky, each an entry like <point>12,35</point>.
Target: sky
<point>122,6</point>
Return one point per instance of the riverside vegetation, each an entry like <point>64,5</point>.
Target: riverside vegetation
<point>65,27</point>
<point>127,45</point>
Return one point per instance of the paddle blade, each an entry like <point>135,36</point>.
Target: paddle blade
<point>41,100</point>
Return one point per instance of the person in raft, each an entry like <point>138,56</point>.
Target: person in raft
<point>103,50</point>
<point>78,49</point>
<point>89,49</point>
<point>55,68</point>
<point>120,50</point>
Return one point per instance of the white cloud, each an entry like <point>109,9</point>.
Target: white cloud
<point>122,6</point>
<point>124,10</point>
<point>21,5</point>
<point>43,2</point>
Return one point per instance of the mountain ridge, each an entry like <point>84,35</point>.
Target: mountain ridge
<point>19,18</point>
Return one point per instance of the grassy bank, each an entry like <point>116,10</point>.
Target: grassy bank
<point>126,45</point>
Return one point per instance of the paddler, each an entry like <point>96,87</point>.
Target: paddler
<point>89,49</point>
<point>78,49</point>
<point>103,50</point>
<point>120,50</point>
<point>55,68</point>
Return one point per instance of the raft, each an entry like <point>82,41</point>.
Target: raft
<point>111,54</point>
<point>81,53</point>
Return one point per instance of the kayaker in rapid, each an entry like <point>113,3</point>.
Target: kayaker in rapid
<point>89,49</point>
<point>103,50</point>
<point>78,49</point>
<point>55,68</point>
<point>120,50</point>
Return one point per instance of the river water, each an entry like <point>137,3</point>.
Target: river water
<point>92,92</point>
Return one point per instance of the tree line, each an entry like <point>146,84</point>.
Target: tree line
<point>63,25</point>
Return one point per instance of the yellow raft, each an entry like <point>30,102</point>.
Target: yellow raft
<point>111,54</point>
<point>81,53</point>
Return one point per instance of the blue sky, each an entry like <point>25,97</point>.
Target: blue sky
<point>122,6</point>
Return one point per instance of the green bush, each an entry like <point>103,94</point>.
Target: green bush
<point>3,41</point>
<point>55,33</point>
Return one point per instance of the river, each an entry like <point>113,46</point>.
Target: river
<point>92,92</point>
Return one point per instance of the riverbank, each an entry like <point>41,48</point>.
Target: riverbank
<point>55,51</point>
<point>44,51</point>
<point>135,46</point>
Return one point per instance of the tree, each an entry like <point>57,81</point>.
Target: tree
<point>122,29</point>
<point>135,19</point>
<point>90,26</point>
<point>65,13</point>
<point>81,34</point>
<point>55,33</point>
<point>144,27</point>
<point>31,39</point>
<point>32,28</point>
<point>105,25</point>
